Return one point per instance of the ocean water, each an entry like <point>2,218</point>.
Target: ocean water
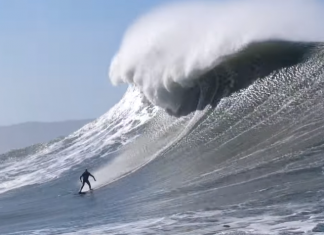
<point>221,131</point>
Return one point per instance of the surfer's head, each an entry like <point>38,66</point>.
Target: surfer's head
<point>86,170</point>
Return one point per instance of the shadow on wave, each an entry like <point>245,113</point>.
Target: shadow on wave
<point>238,71</point>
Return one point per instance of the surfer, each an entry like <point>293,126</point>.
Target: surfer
<point>85,179</point>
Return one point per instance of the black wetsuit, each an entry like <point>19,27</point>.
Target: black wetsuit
<point>85,179</point>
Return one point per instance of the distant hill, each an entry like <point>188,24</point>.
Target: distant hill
<point>29,133</point>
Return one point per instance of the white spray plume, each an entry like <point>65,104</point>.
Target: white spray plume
<point>172,45</point>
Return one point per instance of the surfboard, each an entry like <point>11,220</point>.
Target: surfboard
<point>89,191</point>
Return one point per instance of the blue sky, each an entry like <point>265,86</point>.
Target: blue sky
<point>55,55</point>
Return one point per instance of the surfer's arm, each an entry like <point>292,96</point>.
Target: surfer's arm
<point>93,177</point>
<point>81,177</point>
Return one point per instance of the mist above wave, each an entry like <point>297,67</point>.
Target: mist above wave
<point>166,51</point>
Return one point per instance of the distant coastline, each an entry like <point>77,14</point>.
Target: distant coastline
<point>22,135</point>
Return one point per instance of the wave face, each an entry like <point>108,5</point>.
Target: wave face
<point>229,144</point>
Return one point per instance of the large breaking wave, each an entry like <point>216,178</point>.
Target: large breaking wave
<point>243,147</point>
<point>165,52</point>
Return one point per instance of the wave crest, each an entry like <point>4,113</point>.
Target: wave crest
<point>165,53</point>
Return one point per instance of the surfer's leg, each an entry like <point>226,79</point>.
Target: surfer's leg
<point>89,184</point>
<point>82,186</point>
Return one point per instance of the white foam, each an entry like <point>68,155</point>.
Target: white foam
<point>169,47</point>
<point>86,143</point>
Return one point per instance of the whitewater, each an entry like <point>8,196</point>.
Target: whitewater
<point>220,131</point>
